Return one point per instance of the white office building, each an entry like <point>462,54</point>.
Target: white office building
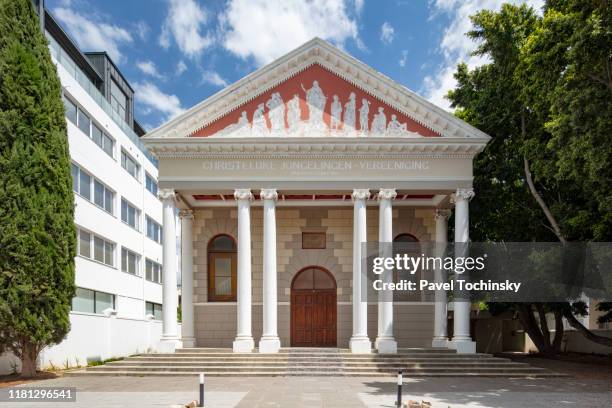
<point>118,304</point>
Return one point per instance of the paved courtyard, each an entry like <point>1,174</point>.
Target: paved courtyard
<point>111,392</point>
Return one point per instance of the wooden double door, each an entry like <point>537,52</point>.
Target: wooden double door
<point>313,309</point>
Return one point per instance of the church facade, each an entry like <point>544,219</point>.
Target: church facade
<point>279,178</point>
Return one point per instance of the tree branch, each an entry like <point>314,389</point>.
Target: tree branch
<point>534,192</point>
<point>571,319</point>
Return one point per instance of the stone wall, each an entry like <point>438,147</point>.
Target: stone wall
<point>215,322</point>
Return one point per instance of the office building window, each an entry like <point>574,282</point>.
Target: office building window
<point>154,309</point>
<point>150,184</point>
<point>103,197</point>
<point>94,247</point>
<point>129,164</point>
<point>102,140</point>
<point>154,230</point>
<point>84,244</point>
<point>118,100</point>
<point>83,183</point>
<point>129,214</point>
<point>153,271</point>
<point>84,122</point>
<point>70,109</point>
<point>92,301</point>
<point>129,261</point>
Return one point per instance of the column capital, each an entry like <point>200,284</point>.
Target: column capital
<point>243,194</point>
<point>166,194</point>
<point>186,214</point>
<point>361,194</point>
<point>443,213</point>
<point>268,194</point>
<point>462,194</point>
<point>387,194</point>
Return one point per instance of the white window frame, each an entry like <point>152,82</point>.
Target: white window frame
<point>153,181</point>
<point>137,257</point>
<point>92,123</point>
<point>156,226</point>
<point>114,297</point>
<point>92,189</point>
<point>92,255</point>
<point>136,215</point>
<point>155,268</point>
<point>125,156</point>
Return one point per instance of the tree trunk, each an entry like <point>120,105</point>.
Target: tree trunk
<point>533,330</point>
<point>571,319</point>
<point>543,323</point>
<point>558,331</point>
<point>29,355</point>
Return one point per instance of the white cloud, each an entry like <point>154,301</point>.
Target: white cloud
<point>455,46</point>
<point>142,29</point>
<point>403,59</point>
<point>94,35</point>
<point>185,24</point>
<point>151,97</point>
<point>359,5</point>
<point>266,30</point>
<point>148,67</point>
<point>180,68</point>
<point>213,78</point>
<point>387,33</point>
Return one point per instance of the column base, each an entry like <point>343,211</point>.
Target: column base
<point>189,342</point>
<point>168,344</point>
<point>463,346</point>
<point>386,345</point>
<point>269,344</point>
<point>441,342</point>
<point>360,345</point>
<point>243,345</point>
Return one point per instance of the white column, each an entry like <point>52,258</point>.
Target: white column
<point>170,337</point>
<point>440,338</point>
<point>462,342</point>
<point>385,342</point>
<point>187,324</point>
<point>269,343</point>
<point>244,340</point>
<point>359,343</point>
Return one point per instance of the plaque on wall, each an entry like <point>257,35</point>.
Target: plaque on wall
<point>313,240</point>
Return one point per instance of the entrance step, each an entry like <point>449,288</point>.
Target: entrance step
<point>426,362</point>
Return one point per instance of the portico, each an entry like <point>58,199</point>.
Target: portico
<point>278,184</point>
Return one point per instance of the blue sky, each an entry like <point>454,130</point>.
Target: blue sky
<point>176,53</point>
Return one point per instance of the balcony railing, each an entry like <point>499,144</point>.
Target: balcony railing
<point>61,57</point>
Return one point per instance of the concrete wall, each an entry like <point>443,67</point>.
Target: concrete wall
<point>215,322</point>
<point>94,338</point>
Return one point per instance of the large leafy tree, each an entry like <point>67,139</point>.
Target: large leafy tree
<point>37,234</point>
<point>524,172</point>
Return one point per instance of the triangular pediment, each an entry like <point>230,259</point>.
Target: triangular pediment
<point>314,103</point>
<point>316,90</point>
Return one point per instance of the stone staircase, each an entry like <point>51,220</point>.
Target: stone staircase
<point>426,362</point>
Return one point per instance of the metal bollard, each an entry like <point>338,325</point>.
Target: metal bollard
<point>201,404</point>
<point>398,403</point>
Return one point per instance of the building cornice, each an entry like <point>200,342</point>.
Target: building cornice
<point>336,61</point>
<point>326,147</point>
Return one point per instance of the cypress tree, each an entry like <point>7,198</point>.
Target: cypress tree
<point>37,233</point>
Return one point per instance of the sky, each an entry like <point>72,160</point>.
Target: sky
<point>176,53</point>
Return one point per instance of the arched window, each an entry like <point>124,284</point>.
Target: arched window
<point>222,269</point>
<point>405,238</point>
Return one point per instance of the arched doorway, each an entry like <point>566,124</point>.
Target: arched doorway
<point>313,308</point>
